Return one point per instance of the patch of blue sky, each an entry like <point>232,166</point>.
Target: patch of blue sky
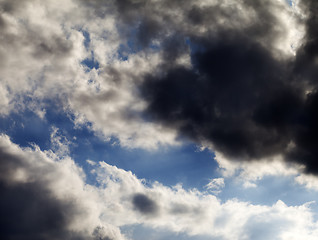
<point>168,165</point>
<point>90,62</point>
<point>290,2</point>
<point>87,39</point>
<point>268,191</point>
<point>26,128</point>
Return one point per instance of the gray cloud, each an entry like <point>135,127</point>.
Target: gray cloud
<point>31,212</point>
<point>35,202</point>
<point>144,204</point>
<point>242,94</point>
<point>213,72</point>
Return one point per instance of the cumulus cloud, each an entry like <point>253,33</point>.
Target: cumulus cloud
<point>309,181</point>
<point>250,174</point>
<point>198,213</point>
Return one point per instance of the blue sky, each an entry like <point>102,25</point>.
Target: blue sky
<point>132,120</point>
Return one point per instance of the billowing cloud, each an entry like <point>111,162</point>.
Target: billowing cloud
<point>45,197</point>
<point>240,94</point>
<point>45,54</point>
<point>238,75</point>
<point>196,213</point>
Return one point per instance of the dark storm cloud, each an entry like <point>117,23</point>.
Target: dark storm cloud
<point>238,96</point>
<point>30,210</point>
<point>223,98</point>
<point>144,204</point>
<point>158,20</point>
<point>306,61</point>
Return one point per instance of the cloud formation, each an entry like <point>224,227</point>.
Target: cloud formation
<point>144,204</point>
<point>239,76</point>
<point>45,197</point>
<point>241,95</point>
<point>196,213</point>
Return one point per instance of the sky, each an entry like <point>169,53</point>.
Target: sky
<point>158,119</point>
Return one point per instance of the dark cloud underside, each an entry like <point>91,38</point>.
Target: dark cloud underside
<point>144,204</point>
<point>222,97</point>
<point>238,96</point>
<point>31,210</point>
<point>31,213</point>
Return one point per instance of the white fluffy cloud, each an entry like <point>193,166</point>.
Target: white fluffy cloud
<point>200,213</point>
<point>250,173</point>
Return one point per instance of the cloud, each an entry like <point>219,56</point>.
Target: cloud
<point>198,213</point>
<point>144,204</point>
<point>238,95</point>
<point>45,197</point>
<point>309,181</point>
<point>199,70</point>
<point>250,174</point>
<point>215,185</point>
<point>111,104</point>
<point>43,50</point>
<point>256,170</point>
<point>237,76</point>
